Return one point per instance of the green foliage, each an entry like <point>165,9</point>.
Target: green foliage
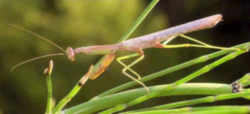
<point>88,22</point>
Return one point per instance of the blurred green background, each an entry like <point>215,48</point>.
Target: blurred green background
<point>94,22</point>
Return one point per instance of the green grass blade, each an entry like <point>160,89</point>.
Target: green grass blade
<point>245,80</point>
<point>140,19</point>
<point>49,105</point>
<point>208,99</point>
<point>62,103</point>
<point>48,72</point>
<point>126,96</point>
<point>201,110</point>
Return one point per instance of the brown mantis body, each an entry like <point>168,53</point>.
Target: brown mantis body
<point>147,41</point>
<point>133,45</point>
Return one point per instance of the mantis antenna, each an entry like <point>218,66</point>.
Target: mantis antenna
<point>33,59</point>
<point>41,38</point>
<point>38,36</point>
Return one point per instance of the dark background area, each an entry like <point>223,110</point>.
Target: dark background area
<point>91,22</point>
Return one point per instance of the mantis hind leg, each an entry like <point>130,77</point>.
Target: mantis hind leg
<point>199,44</point>
<point>128,68</point>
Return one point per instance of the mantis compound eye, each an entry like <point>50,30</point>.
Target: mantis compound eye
<point>70,54</point>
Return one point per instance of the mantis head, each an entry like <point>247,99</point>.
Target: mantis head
<point>70,53</point>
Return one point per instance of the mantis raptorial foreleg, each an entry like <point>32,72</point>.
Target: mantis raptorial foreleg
<point>128,68</point>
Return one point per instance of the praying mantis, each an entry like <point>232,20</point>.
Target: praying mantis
<point>158,39</point>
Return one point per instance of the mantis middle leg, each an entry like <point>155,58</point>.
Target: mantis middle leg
<point>128,68</point>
